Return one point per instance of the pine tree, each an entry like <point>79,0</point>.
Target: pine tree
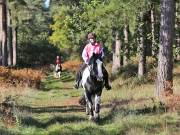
<point>165,59</point>
<point>3,31</point>
<point>141,48</point>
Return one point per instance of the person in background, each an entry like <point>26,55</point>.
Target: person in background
<point>58,68</point>
<point>58,60</point>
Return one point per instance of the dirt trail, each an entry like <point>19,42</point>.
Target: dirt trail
<point>71,101</point>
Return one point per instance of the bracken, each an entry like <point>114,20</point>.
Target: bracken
<point>20,77</point>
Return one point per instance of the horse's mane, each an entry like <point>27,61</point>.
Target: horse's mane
<point>93,58</point>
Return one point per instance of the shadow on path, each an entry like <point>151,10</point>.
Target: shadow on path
<point>29,121</point>
<point>51,109</point>
<point>56,88</point>
<point>5,132</point>
<point>117,107</point>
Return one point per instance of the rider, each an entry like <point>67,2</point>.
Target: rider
<point>58,61</point>
<point>89,49</point>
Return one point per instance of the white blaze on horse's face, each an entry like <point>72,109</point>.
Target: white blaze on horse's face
<point>99,69</point>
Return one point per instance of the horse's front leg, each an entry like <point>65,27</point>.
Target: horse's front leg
<point>86,104</point>
<point>59,74</point>
<point>97,106</point>
<point>89,105</point>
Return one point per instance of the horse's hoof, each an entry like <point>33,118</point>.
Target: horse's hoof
<point>87,112</point>
<point>91,118</point>
<point>96,118</point>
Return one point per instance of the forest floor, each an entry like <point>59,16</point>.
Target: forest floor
<point>127,109</point>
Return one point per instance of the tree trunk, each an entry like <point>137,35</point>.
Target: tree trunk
<point>142,56</point>
<point>3,32</point>
<point>116,54</point>
<point>126,47</point>
<point>9,38</point>
<point>153,31</point>
<point>165,61</point>
<point>0,53</point>
<point>14,46</point>
<point>177,31</point>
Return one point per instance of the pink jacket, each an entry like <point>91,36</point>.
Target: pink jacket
<point>89,49</point>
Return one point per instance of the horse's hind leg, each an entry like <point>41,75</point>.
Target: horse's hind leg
<point>97,106</point>
<point>87,109</point>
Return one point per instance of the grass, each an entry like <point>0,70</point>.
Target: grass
<point>126,110</point>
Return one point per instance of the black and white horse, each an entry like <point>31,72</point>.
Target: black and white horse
<point>58,70</point>
<point>92,82</point>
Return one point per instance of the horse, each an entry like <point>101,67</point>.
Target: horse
<point>58,70</point>
<point>92,83</point>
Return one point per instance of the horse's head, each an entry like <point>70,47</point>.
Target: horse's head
<point>96,66</point>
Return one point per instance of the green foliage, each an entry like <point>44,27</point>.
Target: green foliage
<point>32,23</point>
<point>73,22</point>
<point>129,71</point>
<point>70,21</point>
<point>36,54</point>
<point>19,12</point>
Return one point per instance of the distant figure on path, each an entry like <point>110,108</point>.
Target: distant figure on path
<point>58,67</point>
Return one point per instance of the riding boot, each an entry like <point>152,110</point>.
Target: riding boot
<point>78,79</point>
<point>106,79</point>
<point>79,75</point>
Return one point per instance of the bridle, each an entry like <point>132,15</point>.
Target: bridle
<point>91,68</point>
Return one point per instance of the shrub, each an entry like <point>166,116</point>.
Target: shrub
<point>71,65</point>
<point>20,77</point>
<point>151,75</point>
<point>128,71</point>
